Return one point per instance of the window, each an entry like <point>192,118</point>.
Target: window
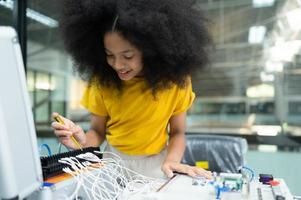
<point>6,14</point>
<point>250,82</point>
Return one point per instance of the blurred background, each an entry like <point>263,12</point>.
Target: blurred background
<point>251,89</point>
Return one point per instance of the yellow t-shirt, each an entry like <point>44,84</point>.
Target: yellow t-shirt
<point>137,123</point>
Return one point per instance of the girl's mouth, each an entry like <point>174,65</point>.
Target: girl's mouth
<point>123,74</point>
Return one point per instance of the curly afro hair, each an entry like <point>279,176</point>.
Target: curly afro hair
<point>171,34</point>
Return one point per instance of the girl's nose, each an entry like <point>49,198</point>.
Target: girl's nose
<point>118,64</point>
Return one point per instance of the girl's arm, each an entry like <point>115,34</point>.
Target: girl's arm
<point>97,133</point>
<point>176,145</point>
<point>176,148</point>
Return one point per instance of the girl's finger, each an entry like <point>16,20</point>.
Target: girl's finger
<point>63,133</point>
<point>58,126</point>
<point>202,172</point>
<point>167,171</point>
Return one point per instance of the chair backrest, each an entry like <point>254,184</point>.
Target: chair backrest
<point>223,153</point>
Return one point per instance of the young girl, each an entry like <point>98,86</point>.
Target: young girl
<point>137,57</point>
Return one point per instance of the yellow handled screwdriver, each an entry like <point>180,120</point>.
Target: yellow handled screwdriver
<point>58,119</point>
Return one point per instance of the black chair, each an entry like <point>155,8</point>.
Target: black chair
<point>223,153</point>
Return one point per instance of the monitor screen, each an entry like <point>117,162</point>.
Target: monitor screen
<point>20,169</point>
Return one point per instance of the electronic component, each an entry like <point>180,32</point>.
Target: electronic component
<point>277,192</point>
<point>199,180</point>
<point>232,181</point>
<point>245,185</point>
<point>51,165</point>
<point>265,178</point>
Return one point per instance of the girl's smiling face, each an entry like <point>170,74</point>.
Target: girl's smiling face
<point>122,56</point>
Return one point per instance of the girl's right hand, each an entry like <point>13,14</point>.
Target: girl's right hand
<point>66,130</point>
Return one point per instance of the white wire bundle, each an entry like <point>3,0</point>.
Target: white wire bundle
<point>107,178</point>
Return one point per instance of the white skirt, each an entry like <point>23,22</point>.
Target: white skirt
<point>149,166</point>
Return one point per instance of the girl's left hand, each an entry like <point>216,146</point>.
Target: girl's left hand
<point>168,167</point>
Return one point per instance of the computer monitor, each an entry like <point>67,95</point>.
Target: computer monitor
<point>20,168</point>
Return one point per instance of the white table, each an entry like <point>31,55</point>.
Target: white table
<point>181,188</point>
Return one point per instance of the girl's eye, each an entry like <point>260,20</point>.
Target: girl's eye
<point>128,56</point>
